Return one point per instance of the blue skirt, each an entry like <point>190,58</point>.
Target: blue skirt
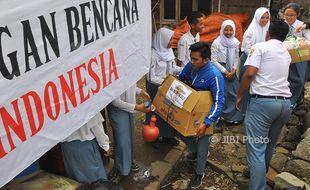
<point>242,68</point>
<point>122,124</point>
<point>297,78</point>
<point>246,95</point>
<point>83,161</point>
<point>229,113</point>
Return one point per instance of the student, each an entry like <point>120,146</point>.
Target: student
<point>120,112</point>
<point>195,20</point>
<point>269,107</point>
<point>201,75</point>
<point>82,158</point>
<point>255,33</point>
<point>225,56</point>
<point>162,64</point>
<point>297,74</point>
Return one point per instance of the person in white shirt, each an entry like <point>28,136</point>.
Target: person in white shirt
<point>162,64</point>
<point>81,154</point>
<point>120,112</point>
<point>269,107</point>
<point>298,71</point>
<point>225,56</point>
<point>195,20</point>
<point>255,33</point>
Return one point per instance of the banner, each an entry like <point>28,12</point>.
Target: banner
<point>61,62</point>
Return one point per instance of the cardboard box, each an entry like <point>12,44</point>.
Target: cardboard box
<point>300,54</point>
<point>182,107</point>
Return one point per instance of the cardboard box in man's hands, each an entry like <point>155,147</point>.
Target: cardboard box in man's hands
<point>182,107</point>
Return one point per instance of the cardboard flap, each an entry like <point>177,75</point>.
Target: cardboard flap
<point>205,101</point>
<point>190,102</point>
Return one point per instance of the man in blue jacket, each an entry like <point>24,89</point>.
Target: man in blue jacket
<point>201,75</point>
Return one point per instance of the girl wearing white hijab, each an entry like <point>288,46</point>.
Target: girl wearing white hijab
<point>255,33</point>
<point>162,64</point>
<point>163,59</point>
<point>225,56</point>
<point>257,29</point>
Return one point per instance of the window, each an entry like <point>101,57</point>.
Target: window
<point>186,8</point>
<point>172,11</point>
<point>204,6</point>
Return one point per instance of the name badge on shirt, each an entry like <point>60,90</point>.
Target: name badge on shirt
<point>251,52</point>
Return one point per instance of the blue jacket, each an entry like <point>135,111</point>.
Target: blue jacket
<point>206,78</point>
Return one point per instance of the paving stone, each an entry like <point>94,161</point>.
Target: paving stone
<point>285,180</point>
<point>278,161</point>
<point>173,156</point>
<point>161,169</point>
<point>299,168</point>
<point>303,150</point>
<point>221,168</point>
<point>282,150</point>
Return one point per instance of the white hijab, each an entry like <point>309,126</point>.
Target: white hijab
<point>231,43</point>
<point>259,32</point>
<point>160,44</point>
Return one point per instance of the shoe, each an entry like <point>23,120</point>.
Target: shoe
<point>156,144</point>
<point>114,175</point>
<point>192,157</point>
<point>246,173</point>
<point>134,166</point>
<point>196,181</point>
<point>171,141</point>
<point>232,123</point>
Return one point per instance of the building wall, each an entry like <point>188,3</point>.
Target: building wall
<point>303,3</point>
<point>238,6</point>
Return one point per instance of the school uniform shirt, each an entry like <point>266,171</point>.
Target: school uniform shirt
<point>272,61</point>
<point>247,42</point>
<point>159,69</point>
<point>219,55</point>
<point>127,100</point>
<point>305,33</point>
<point>183,46</point>
<point>92,129</point>
<point>210,78</point>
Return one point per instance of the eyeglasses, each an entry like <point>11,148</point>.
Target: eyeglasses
<point>286,15</point>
